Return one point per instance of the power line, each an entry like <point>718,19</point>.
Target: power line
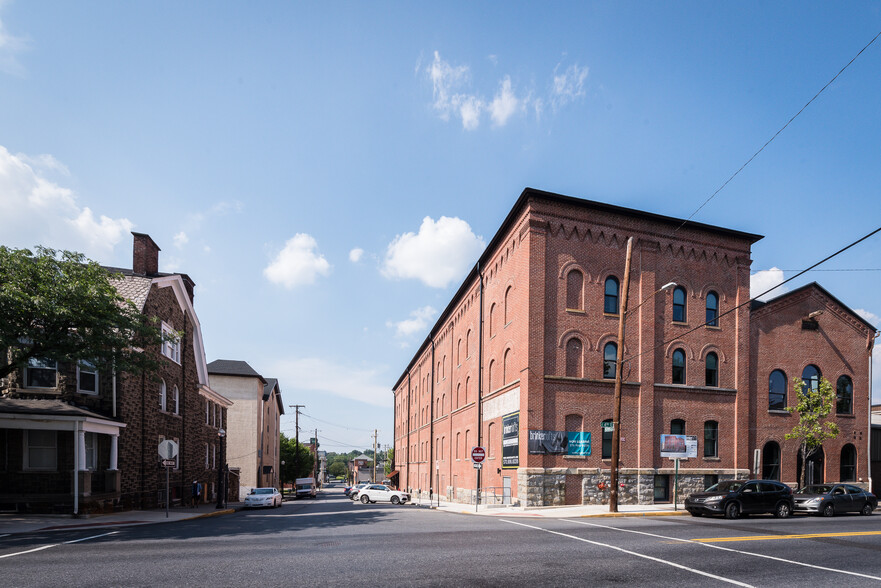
<point>768,142</point>
<point>804,271</point>
<point>335,424</point>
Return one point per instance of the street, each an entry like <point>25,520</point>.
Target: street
<point>333,541</point>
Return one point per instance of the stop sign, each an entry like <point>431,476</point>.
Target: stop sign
<point>478,454</point>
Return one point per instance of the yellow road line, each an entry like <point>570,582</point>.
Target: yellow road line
<point>772,537</point>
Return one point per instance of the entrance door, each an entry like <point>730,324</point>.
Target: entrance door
<point>506,490</point>
<point>574,494</point>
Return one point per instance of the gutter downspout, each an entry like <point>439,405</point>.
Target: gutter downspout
<point>76,468</point>
<point>409,413</point>
<point>431,448</point>
<point>479,379</point>
<point>114,390</point>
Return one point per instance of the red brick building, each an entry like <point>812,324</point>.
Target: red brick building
<point>522,363</point>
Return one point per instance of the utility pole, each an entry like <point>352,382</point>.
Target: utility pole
<point>375,433</point>
<point>297,408</point>
<point>616,414</point>
<point>315,461</point>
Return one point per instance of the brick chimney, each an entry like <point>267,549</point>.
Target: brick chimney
<point>146,255</point>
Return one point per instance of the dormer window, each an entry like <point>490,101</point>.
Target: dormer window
<point>171,346</point>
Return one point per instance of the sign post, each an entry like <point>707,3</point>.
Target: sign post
<point>168,452</point>
<point>478,454</point>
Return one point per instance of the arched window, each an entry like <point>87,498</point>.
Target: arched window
<point>468,344</point>
<point>458,445</point>
<point>771,461</point>
<point>679,304</point>
<point>508,315</point>
<point>490,437</point>
<point>506,367</point>
<point>176,399</point>
<point>574,423</point>
<point>492,320</point>
<point>458,394</point>
<point>489,374</point>
<point>678,367</point>
<point>459,352</point>
<point>610,360</point>
<point>777,392</point>
<point>712,309</point>
<point>467,385</point>
<point>848,464</point>
<point>607,439</point>
<point>811,377</point>
<point>711,439</point>
<point>712,369</point>
<point>163,396</point>
<point>575,290</point>
<point>443,404</point>
<point>677,427</point>
<point>610,304</point>
<point>844,403</point>
<point>573,357</point>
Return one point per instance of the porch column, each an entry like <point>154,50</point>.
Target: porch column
<point>81,451</point>
<point>114,451</point>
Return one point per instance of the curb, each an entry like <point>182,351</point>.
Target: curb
<point>216,513</point>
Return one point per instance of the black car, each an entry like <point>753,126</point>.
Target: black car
<point>832,499</point>
<point>734,498</point>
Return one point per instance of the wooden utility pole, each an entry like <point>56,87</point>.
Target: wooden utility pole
<point>375,434</point>
<point>619,365</point>
<point>297,408</point>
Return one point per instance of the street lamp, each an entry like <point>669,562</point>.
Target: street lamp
<point>221,502</point>
<point>619,366</point>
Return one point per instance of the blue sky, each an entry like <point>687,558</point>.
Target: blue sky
<point>328,172</point>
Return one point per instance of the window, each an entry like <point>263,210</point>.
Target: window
<point>163,396</point>
<point>844,403</point>
<point>91,451</point>
<point>677,427</point>
<point>811,378</point>
<point>206,456</point>
<point>176,399</point>
<point>508,305</point>
<point>489,374</point>
<point>771,461</point>
<point>207,412</point>
<point>575,290</point>
<point>678,367</point>
<point>777,391</point>
<point>40,450</point>
<point>41,373</point>
<point>710,480</point>
<point>662,488</point>
<point>610,360</point>
<point>848,464</point>
<point>711,439</point>
<point>458,445</point>
<point>86,378</point>
<point>467,385</point>
<point>459,352</point>
<point>573,357</point>
<point>492,320</point>
<point>467,344</point>
<point>490,446</point>
<point>171,346</point>
<point>679,305</point>
<point>607,439</point>
<point>712,309</point>
<point>712,369</point>
<point>458,395</point>
<point>506,367</point>
<point>610,304</point>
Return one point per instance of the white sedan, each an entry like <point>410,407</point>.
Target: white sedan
<point>260,497</point>
<point>381,493</point>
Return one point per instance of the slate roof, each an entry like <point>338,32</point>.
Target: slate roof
<point>133,287</point>
<point>232,367</point>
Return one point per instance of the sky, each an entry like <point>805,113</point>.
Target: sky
<point>328,172</point>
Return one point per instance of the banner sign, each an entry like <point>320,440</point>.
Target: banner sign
<point>559,443</point>
<point>579,443</point>
<point>511,440</point>
<point>678,446</point>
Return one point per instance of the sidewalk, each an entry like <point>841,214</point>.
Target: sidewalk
<point>558,512</point>
<point>16,523</point>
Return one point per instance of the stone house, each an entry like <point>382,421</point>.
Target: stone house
<point>253,423</point>
<point>73,439</point>
<point>522,363</point>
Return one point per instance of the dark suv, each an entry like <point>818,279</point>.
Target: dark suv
<point>736,497</point>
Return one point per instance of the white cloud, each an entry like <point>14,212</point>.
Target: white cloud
<point>417,322</point>
<point>441,252</point>
<point>35,210</point>
<point>181,239</point>
<point>356,254</point>
<point>568,85</point>
<point>505,104</point>
<point>764,280</point>
<point>298,263</point>
<point>10,47</point>
<point>368,385</point>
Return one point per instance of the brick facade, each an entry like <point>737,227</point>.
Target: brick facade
<point>526,333</point>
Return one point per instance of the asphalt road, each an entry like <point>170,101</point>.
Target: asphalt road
<point>332,541</point>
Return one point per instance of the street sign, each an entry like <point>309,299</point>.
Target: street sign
<point>477,465</point>
<point>168,449</point>
<point>169,463</point>
<point>478,454</point>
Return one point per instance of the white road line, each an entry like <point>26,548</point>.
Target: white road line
<point>648,557</point>
<point>92,537</point>
<point>762,555</point>
<point>56,545</point>
<point>5,535</point>
<point>29,550</point>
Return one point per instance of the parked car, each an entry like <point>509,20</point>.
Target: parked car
<point>734,498</point>
<point>260,497</point>
<point>353,493</point>
<point>382,493</point>
<point>832,499</point>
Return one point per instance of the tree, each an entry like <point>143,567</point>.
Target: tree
<point>62,306</point>
<point>813,406</point>
<point>390,461</point>
<point>337,469</point>
<point>299,460</point>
